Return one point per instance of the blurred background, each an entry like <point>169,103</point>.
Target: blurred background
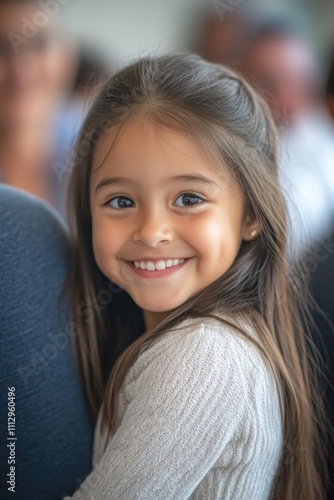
<point>55,54</point>
<point>128,28</point>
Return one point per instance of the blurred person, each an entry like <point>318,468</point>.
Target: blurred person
<point>282,65</point>
<point>222,37</point>
<point>37,67</point>
<point>92,73</point>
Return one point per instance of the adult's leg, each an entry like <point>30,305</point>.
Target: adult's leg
<point>53,445</point>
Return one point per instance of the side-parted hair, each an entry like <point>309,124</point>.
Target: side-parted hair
<point>218,109</point>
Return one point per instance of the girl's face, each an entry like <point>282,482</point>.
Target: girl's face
<point>166,224</point>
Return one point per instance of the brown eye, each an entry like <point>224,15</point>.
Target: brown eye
<point>119,202</point>
<point>188,200</point>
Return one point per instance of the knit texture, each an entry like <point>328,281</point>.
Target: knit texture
<point>200,419</point>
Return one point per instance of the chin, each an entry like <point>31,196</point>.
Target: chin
<point>157,306</point>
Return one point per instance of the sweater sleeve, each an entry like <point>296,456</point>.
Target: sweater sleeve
<point>187,401</point>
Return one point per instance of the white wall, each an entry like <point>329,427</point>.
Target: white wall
<point>126,29</point>
<point>129,28</point>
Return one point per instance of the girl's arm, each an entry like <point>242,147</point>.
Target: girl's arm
<point>188,400</point>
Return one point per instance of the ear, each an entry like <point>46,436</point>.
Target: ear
<point>251,227</point>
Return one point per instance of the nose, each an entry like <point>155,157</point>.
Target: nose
<point>153,229</point>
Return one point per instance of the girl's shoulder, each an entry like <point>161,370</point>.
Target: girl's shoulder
<point>222,332</point>
<point>204,344</point>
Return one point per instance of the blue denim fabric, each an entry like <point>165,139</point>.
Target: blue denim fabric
<point>53,430</point>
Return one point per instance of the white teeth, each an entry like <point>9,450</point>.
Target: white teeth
<point>150,266</point>
<point>160,265</point>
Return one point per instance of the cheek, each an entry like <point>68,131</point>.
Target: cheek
<point>106,244</point>
<point>215,238</point>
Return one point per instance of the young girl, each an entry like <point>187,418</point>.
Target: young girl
<point>194,360</point>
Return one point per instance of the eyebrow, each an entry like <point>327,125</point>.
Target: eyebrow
<point>116,181</point>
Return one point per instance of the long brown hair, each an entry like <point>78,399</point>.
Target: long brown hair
<point>231,123</point>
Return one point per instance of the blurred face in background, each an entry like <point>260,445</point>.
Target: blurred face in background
<point>282,69</point>
<point>221,38</point>
<point>34,71</point>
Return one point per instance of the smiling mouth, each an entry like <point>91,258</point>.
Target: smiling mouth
<point>158,268</point>
<point>158,265</point>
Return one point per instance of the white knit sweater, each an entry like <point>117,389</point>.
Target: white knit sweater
<point>200,420</point>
